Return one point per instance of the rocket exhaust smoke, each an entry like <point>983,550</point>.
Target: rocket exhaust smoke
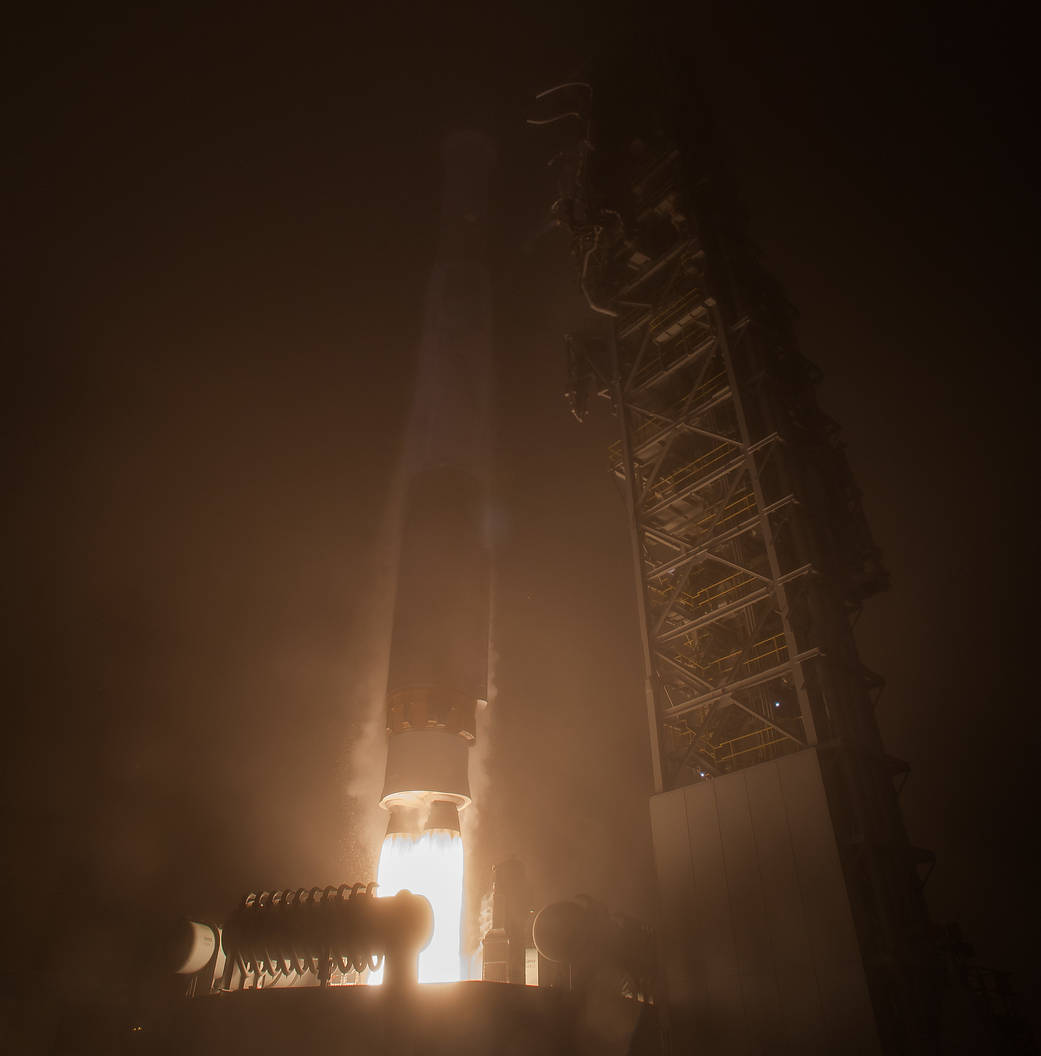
<point>438,667</point>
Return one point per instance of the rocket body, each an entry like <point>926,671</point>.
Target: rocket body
<point>438,674</point>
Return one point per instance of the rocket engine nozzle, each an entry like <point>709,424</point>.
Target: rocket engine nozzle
<point>439,816</point>
<point>443,816</point>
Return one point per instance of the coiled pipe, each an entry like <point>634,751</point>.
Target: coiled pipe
<point>314,931</point>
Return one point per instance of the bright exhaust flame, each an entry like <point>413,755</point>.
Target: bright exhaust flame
<point>430,865</point>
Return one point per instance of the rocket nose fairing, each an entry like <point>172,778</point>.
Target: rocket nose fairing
<point>439,646</point>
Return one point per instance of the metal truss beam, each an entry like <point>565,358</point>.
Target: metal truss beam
<point>677,711</point>
<point>700,390</point>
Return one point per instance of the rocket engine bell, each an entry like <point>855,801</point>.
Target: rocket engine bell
<point>439,646</point>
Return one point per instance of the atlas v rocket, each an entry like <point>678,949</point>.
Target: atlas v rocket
<point>438,674</point>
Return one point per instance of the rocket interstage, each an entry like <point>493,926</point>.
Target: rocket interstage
<point>438,671</point>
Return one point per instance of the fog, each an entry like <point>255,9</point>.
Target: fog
<point>223,246</point>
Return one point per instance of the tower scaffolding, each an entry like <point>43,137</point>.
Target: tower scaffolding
<point>751,552</point>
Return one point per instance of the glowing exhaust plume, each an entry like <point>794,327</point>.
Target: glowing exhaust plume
<point>430,865</point>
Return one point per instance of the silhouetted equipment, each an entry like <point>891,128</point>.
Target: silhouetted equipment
<point>284,970</point>
<point>993,1018</point>
<point>305,938</point>
<point>574,945</point>
<point>287,934</point>
<point>598,948</point>
<point>508,939</point>
<point>791,899</point>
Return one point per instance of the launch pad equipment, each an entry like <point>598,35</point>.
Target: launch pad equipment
<point>286,967</point>
<point>277,939</point>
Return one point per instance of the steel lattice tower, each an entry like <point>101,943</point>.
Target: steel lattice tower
<point>751,549</point>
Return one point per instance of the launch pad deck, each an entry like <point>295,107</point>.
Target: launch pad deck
<point>448,1018</point>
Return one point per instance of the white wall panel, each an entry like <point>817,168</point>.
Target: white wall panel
<point>760,950</point>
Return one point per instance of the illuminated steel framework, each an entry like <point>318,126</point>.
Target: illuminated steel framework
<point>752,553</point>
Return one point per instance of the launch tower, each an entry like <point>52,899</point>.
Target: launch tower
<point>791,893</point>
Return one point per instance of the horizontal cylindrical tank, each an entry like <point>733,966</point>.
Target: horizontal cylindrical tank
<point>195,945</point>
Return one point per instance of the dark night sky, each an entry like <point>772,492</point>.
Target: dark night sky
<point>222,230</point>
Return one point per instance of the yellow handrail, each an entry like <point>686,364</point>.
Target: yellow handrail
<point>772,648</point>
<point>726,751</point>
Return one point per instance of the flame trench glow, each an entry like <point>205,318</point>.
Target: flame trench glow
<point>430,865</point>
